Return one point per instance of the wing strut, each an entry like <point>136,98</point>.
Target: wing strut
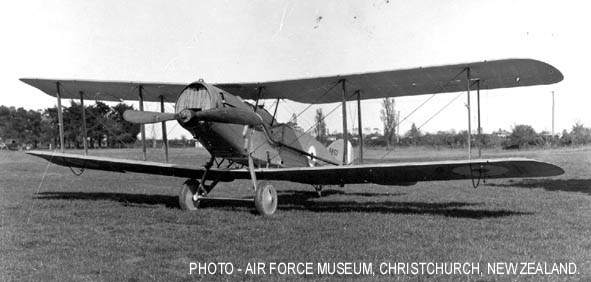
<point>60,116</point>
<point>143,127</point>
<point>479,127</point>
<point>344,108</point>
<point>164,136</point>
<point>83,123</point>
<point>360,130</point>
<point>469,116</point>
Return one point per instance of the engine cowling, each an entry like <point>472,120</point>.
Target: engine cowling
<point>196,97</point>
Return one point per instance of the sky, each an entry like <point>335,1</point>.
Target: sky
<point>253,41</point>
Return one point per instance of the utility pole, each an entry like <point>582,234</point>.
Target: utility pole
<point>397,128</point>
<point>553,113</point>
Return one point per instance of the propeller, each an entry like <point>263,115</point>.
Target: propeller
<point>147,117</point>
<point>223,115</point>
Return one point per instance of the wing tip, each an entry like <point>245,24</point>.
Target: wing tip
<point>545,169</point>
<point>554,170</point>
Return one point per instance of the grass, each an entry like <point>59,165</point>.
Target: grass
<point>105,226</point>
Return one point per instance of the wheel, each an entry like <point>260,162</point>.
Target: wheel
<point>265,199</point>
<point>186,195</point>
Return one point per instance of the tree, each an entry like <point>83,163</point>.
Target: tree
<point>566,139</point>
<point>523,135</point>
<point>23,126</point>
<point>49,126</point>
<point>183,139</point>
<point>414,134</point>
<point>389,119</point>
<point>122,130</point>
<point>580,134</point>
<point>72,116</point>
<point>320,126</point>
<point>34,127</point>
<point>99,124</point>
<point>8,123</point>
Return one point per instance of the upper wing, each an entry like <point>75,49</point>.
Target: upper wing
<point>439,79</point>
<point>428,80</point>
<point>386,174</point>
<point>107,90</point>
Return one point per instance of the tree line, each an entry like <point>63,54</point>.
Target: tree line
<point>521,136</point>
<point>105,126</point>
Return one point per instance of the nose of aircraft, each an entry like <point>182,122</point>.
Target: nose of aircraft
<point>195,97</point>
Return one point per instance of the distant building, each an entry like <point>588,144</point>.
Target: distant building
<point>368,130</point>
<point>501,133</point>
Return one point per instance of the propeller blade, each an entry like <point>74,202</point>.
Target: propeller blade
<point>229,115</point>
<point>147,117</point>
<point>224,115</point>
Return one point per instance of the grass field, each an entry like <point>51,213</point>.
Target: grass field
<point>105,226</point>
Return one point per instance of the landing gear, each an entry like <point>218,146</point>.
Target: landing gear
<point>186,200</point>
<point>192,192</point>
<point>265,198</point>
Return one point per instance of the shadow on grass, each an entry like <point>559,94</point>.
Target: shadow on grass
<point>301,200</point>
<point>567,185</point>
<point>125,198</point>
<point>292,200</point>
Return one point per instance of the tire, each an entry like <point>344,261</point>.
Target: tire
<point>265,199</point>
<point>186,195</point>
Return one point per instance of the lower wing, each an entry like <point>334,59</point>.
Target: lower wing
<point>384,174</point>
<point>412,172</point>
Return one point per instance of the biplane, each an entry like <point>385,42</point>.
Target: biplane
<point>245,140</point>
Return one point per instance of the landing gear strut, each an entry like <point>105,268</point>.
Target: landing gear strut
<point>265,196</point>
<point>194,190</point>
<point>318,189</point>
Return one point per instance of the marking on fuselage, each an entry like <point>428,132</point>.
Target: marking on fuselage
<point>311,161</point>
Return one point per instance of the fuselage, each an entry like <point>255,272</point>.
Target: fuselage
<point>270,144</point>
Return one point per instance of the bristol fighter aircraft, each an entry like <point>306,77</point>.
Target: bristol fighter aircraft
<point>245,141</point>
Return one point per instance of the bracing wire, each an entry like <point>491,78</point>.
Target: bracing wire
<point>441,89</point>
<point>317,99</point>
<point>99,121</point>
<point>41,184</point>
<point>440,110</point>
<point>315,124</point>
<point>305,109</point>
<point>417,108</point>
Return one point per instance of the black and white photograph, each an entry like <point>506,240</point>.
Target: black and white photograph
<point>380,140</point>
